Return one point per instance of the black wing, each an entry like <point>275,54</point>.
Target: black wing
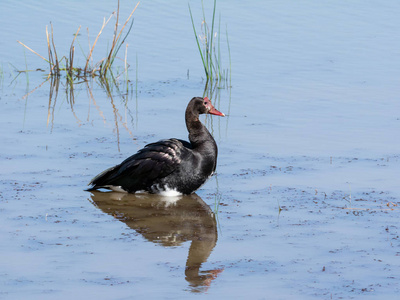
<point>141,170</point>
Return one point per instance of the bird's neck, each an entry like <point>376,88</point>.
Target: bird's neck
<point>199,136</point>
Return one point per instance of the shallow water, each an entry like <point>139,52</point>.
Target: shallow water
<point>305,202</point>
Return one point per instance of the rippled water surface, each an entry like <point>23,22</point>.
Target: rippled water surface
<point>305,202</point>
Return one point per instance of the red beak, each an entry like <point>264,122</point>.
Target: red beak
<point>213,110</point>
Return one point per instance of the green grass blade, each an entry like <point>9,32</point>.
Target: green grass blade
<point>198,43</point>
<point>229,52</point>
<point>116,50</point>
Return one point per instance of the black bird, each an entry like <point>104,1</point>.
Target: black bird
<point>168,167</point>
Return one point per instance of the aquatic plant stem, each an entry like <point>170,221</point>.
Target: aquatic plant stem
<point>126,70</point>
<point>94,44</point>
<point>55,52</point>
<point>49,51</point>
<point>33,51</point>
<point>198,44</point>
<point>112,54</point>
<point>229,52</point>
<point>211,51</point>
<point>72,51</point>
<point>212,33</point>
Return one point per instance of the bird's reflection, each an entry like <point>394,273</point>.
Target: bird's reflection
<point>169,221</point>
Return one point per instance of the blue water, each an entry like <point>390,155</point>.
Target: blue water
<point>312,127</point>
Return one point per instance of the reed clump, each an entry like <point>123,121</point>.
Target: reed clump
<point>59,65</point>
<point>209,46</point>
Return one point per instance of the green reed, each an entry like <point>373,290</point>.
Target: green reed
<point>209,47</point>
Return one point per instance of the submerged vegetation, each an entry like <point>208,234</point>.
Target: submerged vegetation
<point>209,47</point>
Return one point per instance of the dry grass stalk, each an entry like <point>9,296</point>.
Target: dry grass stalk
<point>116,38</point>
<point>57,63</point>
<point>33,51</point>
<point>100,69</point>
<point>72,51</point>
<point>49,51</point>
<point>94,44</point>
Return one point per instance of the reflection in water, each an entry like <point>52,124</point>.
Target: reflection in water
<point>124,91</point>
<point>213,91</point>
<point>169,221</point>
<point>122,88</point>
